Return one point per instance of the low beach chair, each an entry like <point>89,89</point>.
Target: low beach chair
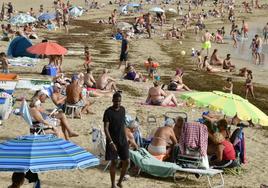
<point>150,165</point>
<point>35,128</point>
<point>174,115</point>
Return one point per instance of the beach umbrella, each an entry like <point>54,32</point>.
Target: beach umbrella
<point>172,10</point>
<point>75,11</point>
<point>21,19</point>
<point>229,104</point>
<point>156,9</point>
<point>39,153</point>
<point>133,5</point>
<point>47,48</point>
<point>123,26</point>
<point>47,16</point>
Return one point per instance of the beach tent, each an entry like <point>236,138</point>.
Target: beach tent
<point>18,46</point>
<point>76,11</point>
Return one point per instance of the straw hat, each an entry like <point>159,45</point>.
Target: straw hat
<point>218,137</point>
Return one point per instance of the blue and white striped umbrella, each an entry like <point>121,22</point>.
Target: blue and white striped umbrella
<point>47,16</point>
<point>21,19</point>
<point>39,153</point>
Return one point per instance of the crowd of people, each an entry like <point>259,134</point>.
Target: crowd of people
<point>213,137</point>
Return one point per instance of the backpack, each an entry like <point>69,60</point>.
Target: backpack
<point>238,141</point>
<point>172,86</point>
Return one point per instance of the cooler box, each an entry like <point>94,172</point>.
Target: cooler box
<point>51,71</point>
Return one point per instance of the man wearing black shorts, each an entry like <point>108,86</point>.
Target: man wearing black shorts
<point>116,141</point>
<point>124,50</point>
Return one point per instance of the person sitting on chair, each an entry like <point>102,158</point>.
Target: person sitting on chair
<point>130,130</point>
<point>164,137</point>
<point>76,97</point>
<point>57,98</point>
<point>39,116</point>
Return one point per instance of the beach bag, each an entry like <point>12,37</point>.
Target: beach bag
<point>172,86</point>
<point>44,70</point>
<point>238,141</point>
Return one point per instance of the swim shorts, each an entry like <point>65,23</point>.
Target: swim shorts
<point>206,45</point>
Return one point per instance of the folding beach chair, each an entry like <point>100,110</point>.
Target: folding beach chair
<point>174,115</point>
<point>150,165</point>
<point>36,128</point>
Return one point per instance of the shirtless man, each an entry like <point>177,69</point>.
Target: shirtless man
<point>156,96</point>
<point>258,48</point>
<point>265,33</point>
<point>75,96</point>
<point>66,20</point>
<point>57,98</point>
<point>164,137</point>
<point>227,63</point>
<point>89,79</point>
<point>129,130</point>
<point>113,16</point>
<point>105,82</point>
<point>149,24</point>
<point>206,38</point>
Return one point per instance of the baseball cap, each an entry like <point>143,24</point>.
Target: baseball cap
<point>44,92</point>
<point>169,122</point>
<point>75,77</point>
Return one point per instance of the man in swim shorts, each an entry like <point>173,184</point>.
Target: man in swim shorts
<point>206,38</point>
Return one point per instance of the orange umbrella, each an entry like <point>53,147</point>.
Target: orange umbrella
<point>47,48</point>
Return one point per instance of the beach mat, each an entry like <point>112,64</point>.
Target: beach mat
<point>146,104</point>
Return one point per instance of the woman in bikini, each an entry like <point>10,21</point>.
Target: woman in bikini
<point>249,84</point>
<point>177,81</point>
<point>163,140</point>
<point>156,96</point>
<point>207,67</point>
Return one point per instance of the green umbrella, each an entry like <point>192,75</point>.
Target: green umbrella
<point>229,104</point>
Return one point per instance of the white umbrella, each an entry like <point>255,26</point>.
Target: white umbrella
<point>172,10</point>
<point>124,26</point>
<point>21,19</point>
<point>156,9</point>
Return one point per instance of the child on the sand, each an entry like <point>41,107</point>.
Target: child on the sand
<point>230,85</point>
<point>4,60</point>
<point>88,60</point>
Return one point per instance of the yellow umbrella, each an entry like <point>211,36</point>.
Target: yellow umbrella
<point>229,104</point>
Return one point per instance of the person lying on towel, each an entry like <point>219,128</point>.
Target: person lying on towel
<point>163,140</point>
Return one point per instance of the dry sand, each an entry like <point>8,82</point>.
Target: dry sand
<point>105,53</point>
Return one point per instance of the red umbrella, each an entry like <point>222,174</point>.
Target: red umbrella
<point>47,48</point>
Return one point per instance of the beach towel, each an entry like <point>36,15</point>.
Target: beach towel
<point>146,104</point>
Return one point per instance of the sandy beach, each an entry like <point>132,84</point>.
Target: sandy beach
<point>105,53</point>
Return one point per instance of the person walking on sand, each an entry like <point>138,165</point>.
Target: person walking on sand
<point>148,26</point>
<point>258,48</point>
<point>249,84</point>
<point>113,16</point>
<point>116,140</point>
<point>244,29</point>
<point>206,38</point>
<point>124,51</point>
<point>265,33</point>
<point>4,60</point>
<point>88,59</point>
